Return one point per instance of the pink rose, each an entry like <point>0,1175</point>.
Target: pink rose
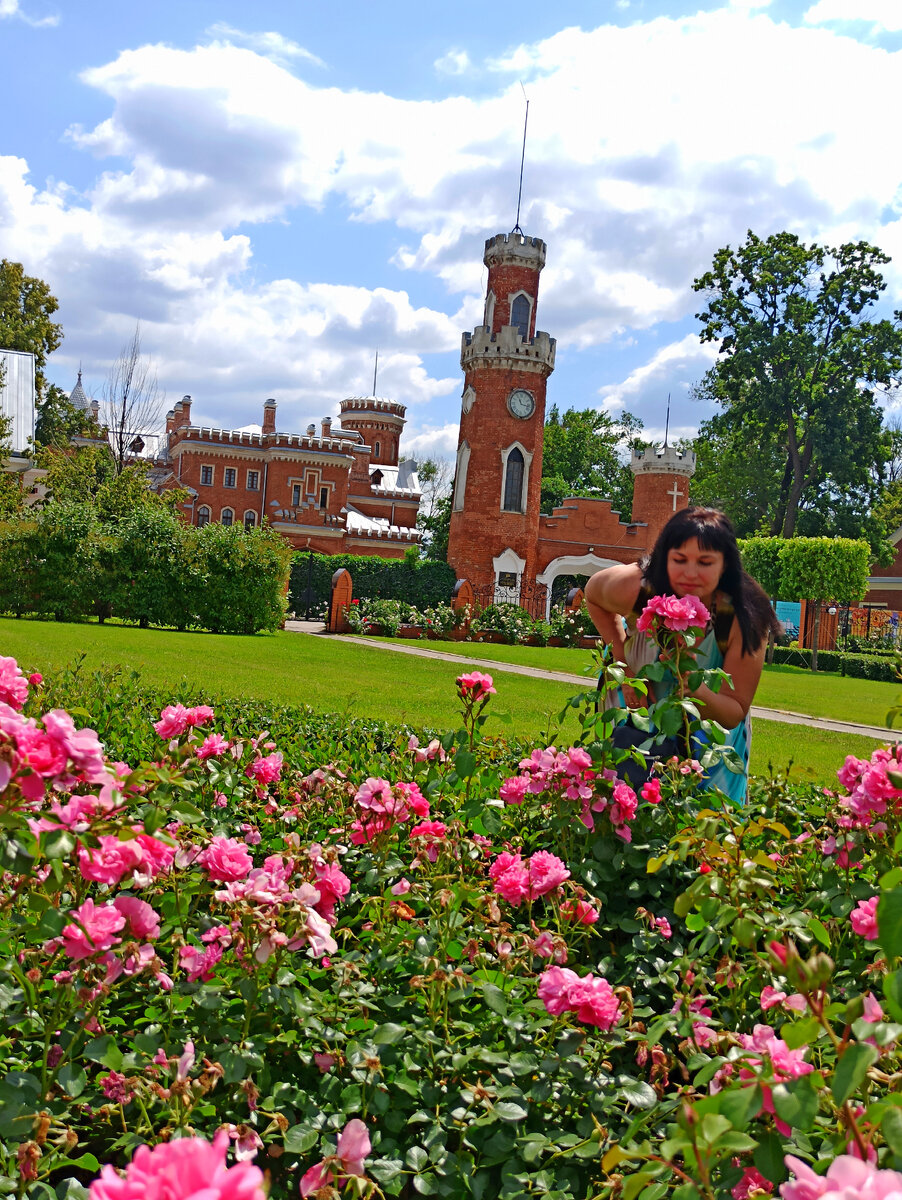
<point>864,919</point>
<point>475,686</point>
<point>676,613</point>
<point>212,746</point>
<point>401,888</point>
<point>846,1177</point>
<point>752,1181</point>
<point>143,921</point>
<point>265,770</point>
<point>554,989</point>
<point>651,791</point>
<point>173,722</point>
<point>13,684</point>
<point>181,1168</point>
<point>594,1002</point>
<point>226,859</point>
<point>546,872</point>
<point>353,1147</point>
<point>95,932</point>
<point>580,912</point>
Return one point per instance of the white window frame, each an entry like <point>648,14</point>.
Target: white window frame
<point>527,463</point>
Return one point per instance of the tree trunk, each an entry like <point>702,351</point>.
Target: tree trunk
<point>817,626</point>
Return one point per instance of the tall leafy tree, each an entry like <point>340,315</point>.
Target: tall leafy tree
<point>583,455</point>
<point>26,308</point>
<point>801,359</point>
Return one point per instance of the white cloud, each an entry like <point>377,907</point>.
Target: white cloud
<point>431,441</point>
<point>633,197</point>
<point>270,44</point>
<point>671,370</point>
<point>886,14</point>
<point>11,8</point>
<point>455,62</point>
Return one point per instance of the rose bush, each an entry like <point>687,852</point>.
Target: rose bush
<point>432,965</point>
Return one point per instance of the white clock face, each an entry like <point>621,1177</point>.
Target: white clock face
<point>521,404</point>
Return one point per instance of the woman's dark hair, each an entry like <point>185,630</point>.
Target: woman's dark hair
<point>714,531</point>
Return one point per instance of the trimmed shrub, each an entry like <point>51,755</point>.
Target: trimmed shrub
<point>422,583</point>
<point>857,666</point>
<point>242,575</point>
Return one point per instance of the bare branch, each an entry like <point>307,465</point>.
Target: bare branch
<point>132,403</point>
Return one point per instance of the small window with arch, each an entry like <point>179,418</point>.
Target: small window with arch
<point>513,481</point>
<point>228,517</point>
<point>203,516</point>
<point>250,519</point>
<point>520,310</point>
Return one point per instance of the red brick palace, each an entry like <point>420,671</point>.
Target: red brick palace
<point>334,490</point>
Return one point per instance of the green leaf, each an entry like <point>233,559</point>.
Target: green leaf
<point>820,931</point>
<point>796,1102</point>
<point>851,1070</point>
<point>768,1158</point>
<point>388,1034</point>
<point>509,1110</point>
<point>72,1079</point>
<point>182,810</point>
<point>464,763</point>
<point>891,1128</point>
<point>636,1092</point>
<point>800,1033</point>
<point>300,1138</point>
<point>892,994</point>
<point>104,1050</point>
<point>495,999</point>
<point>889,923</point>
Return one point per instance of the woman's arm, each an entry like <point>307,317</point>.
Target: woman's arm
<point>730,705</point>
<point>610,595</point>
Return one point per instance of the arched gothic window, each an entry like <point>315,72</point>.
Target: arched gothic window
<point>490,309</point>
<point>228,516</point>
<point>203,516</point>
<point>378,450</point>
<point>250,519</point>
<point>460,477</point>
<point>520,310</point>
<point>513,481</point>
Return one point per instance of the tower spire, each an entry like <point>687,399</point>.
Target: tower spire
<point>516,228</point>
<point>667,422</point>
<point>375,371</point>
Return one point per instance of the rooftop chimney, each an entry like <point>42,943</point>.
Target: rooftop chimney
<point>185,418</point>
<point>269,416</point>
<point>327,427</point>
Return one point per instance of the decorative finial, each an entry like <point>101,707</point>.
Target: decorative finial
<point>516,228</point>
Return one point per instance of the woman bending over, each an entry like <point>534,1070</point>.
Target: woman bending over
<point>695,555</point>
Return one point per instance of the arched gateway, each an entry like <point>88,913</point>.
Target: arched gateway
<point>573,564</point>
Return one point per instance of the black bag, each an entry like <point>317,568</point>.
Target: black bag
<point>627,736</point>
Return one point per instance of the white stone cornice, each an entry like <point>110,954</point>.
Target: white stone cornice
<point>507,350</point>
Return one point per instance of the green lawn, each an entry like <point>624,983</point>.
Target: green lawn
<point>331,675</point>
<point>791,689</point>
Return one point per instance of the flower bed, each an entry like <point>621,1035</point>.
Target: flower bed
<point>419,968</point>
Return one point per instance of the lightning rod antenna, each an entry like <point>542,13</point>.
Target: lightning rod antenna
<point>667,422</point>
<point>516,228</point>
<point>375,372</point>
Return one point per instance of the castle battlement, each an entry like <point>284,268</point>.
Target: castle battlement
<point>515,249</point>
<point>355,405</point>
<point>663,460</point>
<point>507,349</point>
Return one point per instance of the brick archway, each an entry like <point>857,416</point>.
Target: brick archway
<point>571,564</point>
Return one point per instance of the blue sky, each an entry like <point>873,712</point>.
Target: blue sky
<point>277,190</point>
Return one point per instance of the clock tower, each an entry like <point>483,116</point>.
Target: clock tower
<point>506,364</point>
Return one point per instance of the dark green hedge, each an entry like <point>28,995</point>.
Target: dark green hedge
<point>422,583</point>
<point>147,567</point>
<point>857,666</point>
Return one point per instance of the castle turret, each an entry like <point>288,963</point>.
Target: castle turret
<point>660,485</point>
<point>506,364</point>
<point>379,422</point>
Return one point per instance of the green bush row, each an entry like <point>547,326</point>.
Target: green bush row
<point>147,567</point>
<point>421,583</point>
<point>856,666</point>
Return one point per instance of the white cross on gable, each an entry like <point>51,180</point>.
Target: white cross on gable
<point>676,493</point>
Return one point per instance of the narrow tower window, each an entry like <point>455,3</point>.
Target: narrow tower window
<point>460,477</point>
<point>513,482</point>
<point>520,315</point>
